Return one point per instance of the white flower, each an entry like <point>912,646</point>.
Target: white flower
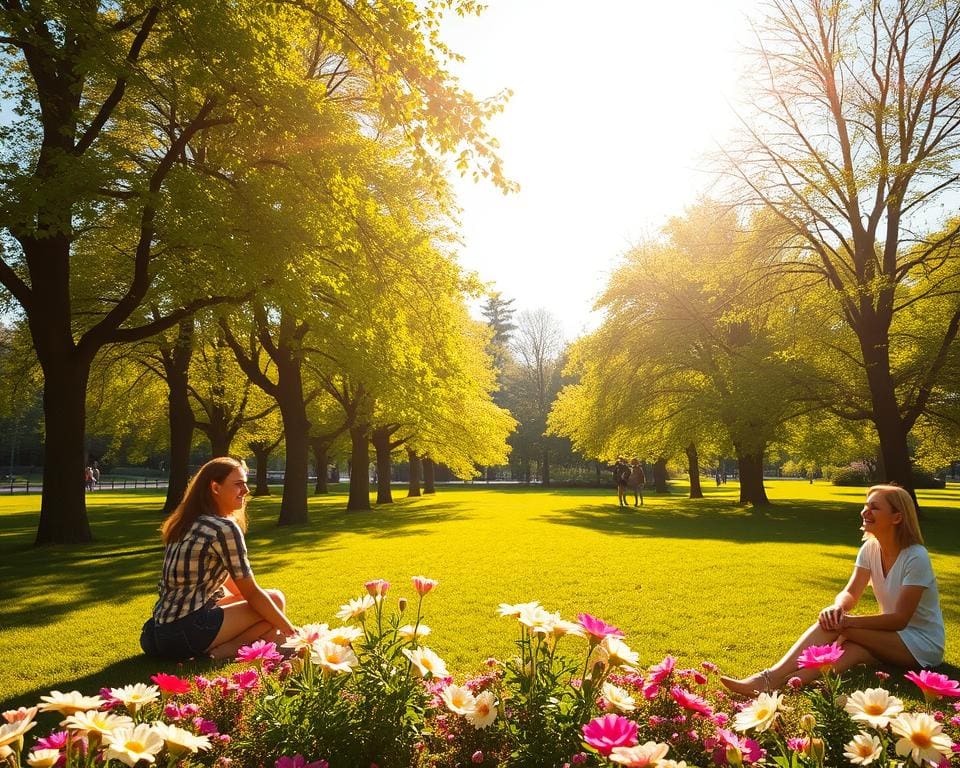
<point>356,608</point>
<point>864,749</point>
<point>69,703</point>
<point>23,713</point>
<point>94,721</point>
<point>484,710</point>
<point>619,653</point>
<point>306,636</point>
<point>43,758</point>
<point>759,714</point>
<point>131,745</point>
<point>563,627</point>
<point>532,615</point>
<point>459,699</point>
<point>10,732</point>
<point>672,764</point>
<point>180,741</point>
<point>136,696</point>
<point>874,706</point>
<point>426,661</point>
<point>640,755</point>
<point>407,631</point>
<point>617,698</point>
<point>333,657</point>
<point>921,738</point>
<point>506,609</point>
<point>343,635</point>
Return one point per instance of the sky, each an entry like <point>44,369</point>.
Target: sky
<point>615,108</point>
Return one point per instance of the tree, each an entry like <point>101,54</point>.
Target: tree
<point>851,143</point>
<point>499,313</point>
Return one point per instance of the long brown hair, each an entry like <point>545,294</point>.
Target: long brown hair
<point>198,499</point>
<point>899,499</point>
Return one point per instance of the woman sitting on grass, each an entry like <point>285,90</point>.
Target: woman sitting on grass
<point>908,631</point>
<point>210,604</point>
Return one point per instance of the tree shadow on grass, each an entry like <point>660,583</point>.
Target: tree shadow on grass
<point>39,586</point>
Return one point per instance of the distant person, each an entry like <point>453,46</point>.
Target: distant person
<point>636,481</point>
<point>908,632</point>
<point>95,470</point>
<point>88,478</point>
<point>210,604</point>
<point>718,476</point>
<point>621,476</point>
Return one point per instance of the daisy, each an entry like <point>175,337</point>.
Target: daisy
<point>343,635</point>
<point>333,657</point>
<point>306,636</point>
<point>69,703</point>
<point>10,732</point>
<point>96,722</point>
<point>356,609</point>
<point>426,661</point>
<point>759,714</point>
<point>459,699</point>
<point>506,609</point>
<point>874,706</point>
<point>43,758</point>
<point>180,741</point>
<point>133,697</point>
<point>619,653</point>
<point>484,710</point>
<point>131,745</point>
<point>921,738</point>
<point>863,750</point>
<point>639,756</point>
<point>409,632</point>
<point>617,699</point>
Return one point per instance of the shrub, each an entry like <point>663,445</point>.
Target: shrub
<point>851,476</point>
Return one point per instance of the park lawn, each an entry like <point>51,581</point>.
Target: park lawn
<point>704,579</point>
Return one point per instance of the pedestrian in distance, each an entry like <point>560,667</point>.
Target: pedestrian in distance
<point>636,481</point>
<point>621,476</point>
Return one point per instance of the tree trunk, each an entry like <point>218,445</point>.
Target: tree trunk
<point>359,497</point>
<point>176,367</point>
<point>545,474</point>
<point>261,452</point>
<point>413,489</point>
<point>219,441</point>
<point>63,507</point>
<point>752,490</point>
<point>296,437</point>
<point>320,449</point>
<point>660,475</point>
<point>381,444</point>
<point>429,474</point>
<point>693,468</point>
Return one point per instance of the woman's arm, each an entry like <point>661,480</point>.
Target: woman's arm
<point>846,599</point>
<point>260,601</point>
<point>907,604</point>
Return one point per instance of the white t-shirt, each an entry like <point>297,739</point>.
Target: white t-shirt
<point>924,634</point>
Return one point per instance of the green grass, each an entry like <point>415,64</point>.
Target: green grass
<point>702,579</point>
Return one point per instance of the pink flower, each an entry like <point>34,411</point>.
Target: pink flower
<point>261,650</point>
<point>661,671</point>
<point>749,749</point>
<point>56,740</point>
<point>201,682</point>
<point>821,657</point>
<point>205,727</point>
<point>933,684</point>
<point>377,587</point>
<point>651,691</point>
<point>605,733</point>
<point>597,628</point>
<point>881,675</point>
<point>709,666</point>
<point>171,683</point>
<point>799,744</point>
<point>794,683</point>
<point>423,585</point>
<point>579,759</point>
<point>691,701</point>
<point>720,718</point>
<point>476,757</point>
<point>173,712</point>
<point>246,679</point>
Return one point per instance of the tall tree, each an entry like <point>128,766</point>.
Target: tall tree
<point>852,143</point>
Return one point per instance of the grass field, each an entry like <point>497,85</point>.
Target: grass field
<point>702,579</point>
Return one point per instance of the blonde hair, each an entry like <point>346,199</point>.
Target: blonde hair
<point>198,500</point>
<point>900,500</point>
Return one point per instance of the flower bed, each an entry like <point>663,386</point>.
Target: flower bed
<point>370,693</point>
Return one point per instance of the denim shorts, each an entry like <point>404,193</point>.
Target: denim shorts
<point>184,638</point>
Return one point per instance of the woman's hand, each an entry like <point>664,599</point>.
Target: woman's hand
<point>830,618</point>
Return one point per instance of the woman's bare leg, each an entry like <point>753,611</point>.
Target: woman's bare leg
<point>243,625</point>
<point>884,645</point>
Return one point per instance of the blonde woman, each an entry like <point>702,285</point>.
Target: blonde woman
<point>908,631</point>
<point>210,604</point>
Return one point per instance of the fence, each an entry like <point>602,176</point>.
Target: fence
<point>105,484</point>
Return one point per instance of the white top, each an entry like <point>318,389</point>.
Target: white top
<point>924,634</point>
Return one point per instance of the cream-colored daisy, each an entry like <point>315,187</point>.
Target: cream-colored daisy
<point>533,615</point>
<point>94,721</point>
<point>131,745</point>
<point>409,632</point>
<point>563,627</point>
<point>306,636</point>
<point>426,662</point>
<point>484,710</point>
<point>136,696</point>
<point>618,700</point>
<point>357,608</point>
<point>69,703</point>
<point>334,657</point>
<point>921,737</point>
<point>760,714</point>
<point>343,635</point>
<point>863,750</point>
<point>43,758</point>
<point>10,732</point>
<point>180,741</point>
<point>619,653</point>
<point>639,756</point>
<point>506,609</point>
<point>874,706</point>
<point>459,699</point>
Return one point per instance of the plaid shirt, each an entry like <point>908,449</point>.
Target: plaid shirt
<point>196,567</point>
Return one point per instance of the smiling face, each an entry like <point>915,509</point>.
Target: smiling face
<point>878,516</point>
<point>230,495</point>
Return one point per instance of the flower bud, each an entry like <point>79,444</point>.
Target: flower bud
<point>733,755</point>
<point>402,604</point>
<point>817,750</point>
<point>795,683</point>
<point>476,757</point>
<point>808,722</point>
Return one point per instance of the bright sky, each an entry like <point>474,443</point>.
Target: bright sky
<point>614,106</point>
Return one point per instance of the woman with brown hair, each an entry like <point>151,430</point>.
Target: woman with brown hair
<point>908,631</point>
<point>210,604</point>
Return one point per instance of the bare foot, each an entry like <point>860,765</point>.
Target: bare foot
<point>749,686</point>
